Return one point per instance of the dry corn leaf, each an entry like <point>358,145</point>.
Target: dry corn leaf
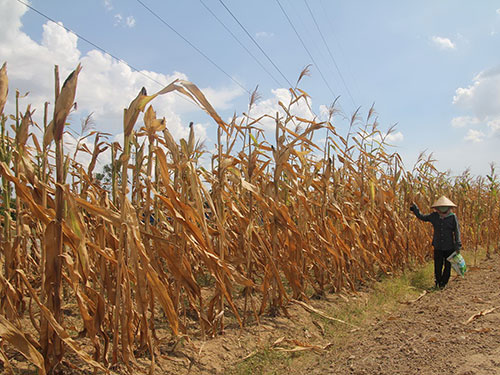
<point>159,287</point>
<point>40,213</point>
<point>295,349</point>
<point>131,113</point>
<point>481,330</point>
<point>101,212</point>
<point>139,103</point>
<point>196,93</point>
<point>152,124</point>
<point>6,363</point>
<point>299,346</point>
<point>4,86</point>
<point>417,299</point>
<point>320,313</point>
<point>278,341</point>
<point>22,131</point>
<point>64,102</point>
<point>60,331</point>
<point>48,135</point>
<point>18,340</point>
<point>479,314</point>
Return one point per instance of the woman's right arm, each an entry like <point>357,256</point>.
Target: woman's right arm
<point>418,214</point>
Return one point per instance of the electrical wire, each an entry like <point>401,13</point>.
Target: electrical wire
<point>330,53</point>
<point>339,48</point>
<point>192,45</point>
<point>240,43</point>
<point>255,42</point>
<point>305,47</point>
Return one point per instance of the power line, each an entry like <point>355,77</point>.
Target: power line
<point>240,43</point>
<point>339,46</point>
<point>99,48</point>
<point>192,45</point>
<point>330,53</point>
<point>257,44</point>
<point>305,47</point>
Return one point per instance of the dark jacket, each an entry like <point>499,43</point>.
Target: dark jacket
<point>446,230</point>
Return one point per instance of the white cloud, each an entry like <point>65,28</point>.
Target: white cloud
<point>30,65</point>
<point>108,5</point>
<point>221,98</point>
<point>482,100</point>
<point>11,18</point>
<point>498,11</point>
<point>264,34</point>
<point>394,138</point>
<point>62,45</point>
<point>324,111</point>
<point>475,136</point>
<point>200,131</point>
<point>130,21</point>
<point>463,121</point>
<point>443,43</point>
<point>494,126</point>
<point>482,97</point>
<point>118,19</point>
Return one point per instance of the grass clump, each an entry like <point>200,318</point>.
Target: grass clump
<point>382,297</point>
<point>265,361</point>
<point>422,279</point>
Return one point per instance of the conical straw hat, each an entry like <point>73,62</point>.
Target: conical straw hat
<point>443,202</point>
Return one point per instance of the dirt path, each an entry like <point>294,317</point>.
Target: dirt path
<point>437,334</point>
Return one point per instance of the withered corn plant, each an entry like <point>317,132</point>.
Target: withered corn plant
<point>171,247</point>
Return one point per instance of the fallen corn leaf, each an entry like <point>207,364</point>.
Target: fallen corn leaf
<point>320,313</point>
<point>300,346</point>
<point>480,330</point>
<point>416,299</point>
<point>249,355</point>
<point>479,314</point>
<point>278,341</point>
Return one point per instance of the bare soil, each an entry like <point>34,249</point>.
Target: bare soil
<point>451,331</point>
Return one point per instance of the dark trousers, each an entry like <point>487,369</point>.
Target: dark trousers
<point>442,267</point>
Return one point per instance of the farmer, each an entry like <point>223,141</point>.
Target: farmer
<point>446,237</point>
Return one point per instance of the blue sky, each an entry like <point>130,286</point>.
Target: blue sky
<point>432,67</point>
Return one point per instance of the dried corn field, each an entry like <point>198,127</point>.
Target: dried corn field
<point>168,243</point>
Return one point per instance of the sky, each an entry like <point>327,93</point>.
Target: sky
<point>430,67</point>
